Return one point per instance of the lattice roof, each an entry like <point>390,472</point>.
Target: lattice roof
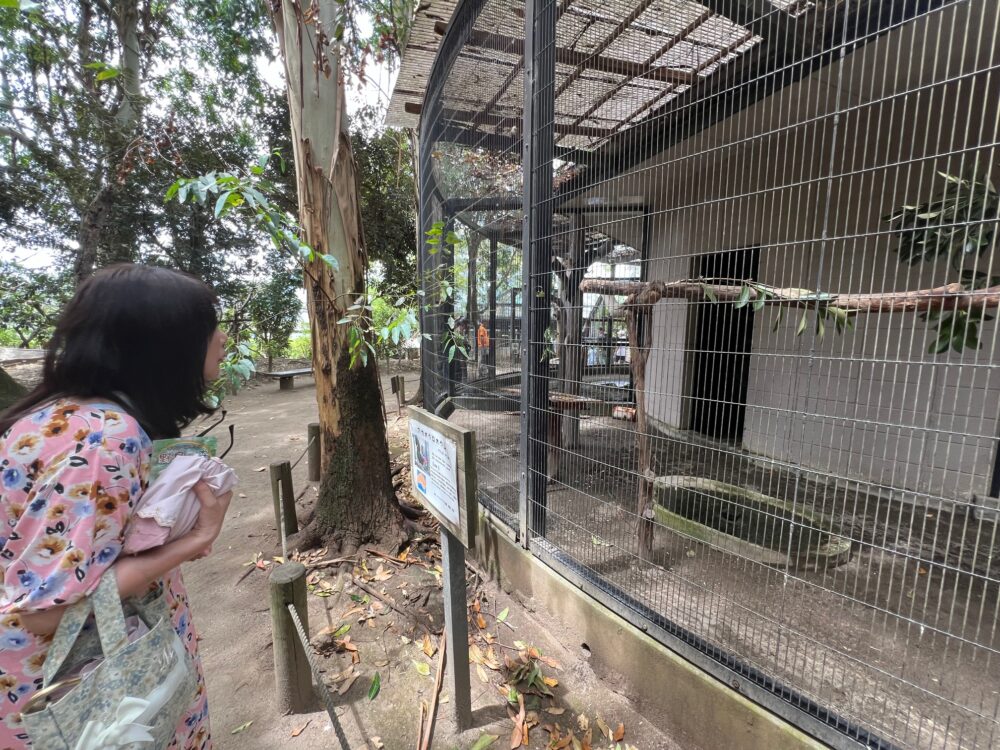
<point>616,61</point>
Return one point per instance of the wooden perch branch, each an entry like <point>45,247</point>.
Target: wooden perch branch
<point>948,297</point>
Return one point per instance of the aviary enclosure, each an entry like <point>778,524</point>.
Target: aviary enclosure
<point>715,284</point>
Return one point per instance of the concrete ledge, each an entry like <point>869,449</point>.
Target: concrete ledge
<point>670,692</point>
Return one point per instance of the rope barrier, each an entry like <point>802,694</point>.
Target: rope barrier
<point>318,684</point>
<point>302,455</point>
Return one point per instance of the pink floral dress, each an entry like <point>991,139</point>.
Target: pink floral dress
<point>69,476</point>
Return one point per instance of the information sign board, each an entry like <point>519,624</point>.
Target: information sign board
<point>443,472</point>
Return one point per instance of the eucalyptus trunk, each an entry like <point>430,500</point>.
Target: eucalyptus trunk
<point>356,502</point>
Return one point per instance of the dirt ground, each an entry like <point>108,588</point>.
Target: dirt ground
<point>230,607</point>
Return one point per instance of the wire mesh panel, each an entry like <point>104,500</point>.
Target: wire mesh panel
<point>758,395</point>
<point>471,187</point>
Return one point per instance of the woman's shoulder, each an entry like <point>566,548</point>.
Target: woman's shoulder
<point>68,423</point>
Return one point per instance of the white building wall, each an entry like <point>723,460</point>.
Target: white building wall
<point>871,404</point>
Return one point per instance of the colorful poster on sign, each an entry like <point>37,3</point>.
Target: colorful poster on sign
<point>434,467</point>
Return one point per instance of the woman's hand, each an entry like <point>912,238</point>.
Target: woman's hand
<point>210,517</point>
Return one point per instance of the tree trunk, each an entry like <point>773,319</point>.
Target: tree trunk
<point>10,390</point>
<point>97,213</point>
<point>472,295</point>
<point>637,330</point>
<point>571,356</point>
<point>92,224</point>
<point>356,503</point>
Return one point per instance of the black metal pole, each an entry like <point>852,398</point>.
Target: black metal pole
<point>492,355</point>
<point>539,150</point>
<point>448,369</point>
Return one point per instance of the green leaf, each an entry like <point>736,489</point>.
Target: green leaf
<point>422,667</point>
<point>220,204</point>
<point>171,191</point>
<point>709,293</point>
<point>342,630</point>
<point>502,617</point>
<point>744,297</point>
<point>107,74</point>
<point>802,323</point>
<point>242,727</point>
<point>484,742</point>
<point>375,687</point>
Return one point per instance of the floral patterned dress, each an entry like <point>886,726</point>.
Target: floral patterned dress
<point>70,475</point>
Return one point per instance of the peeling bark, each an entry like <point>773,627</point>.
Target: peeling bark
<point>356,503</point>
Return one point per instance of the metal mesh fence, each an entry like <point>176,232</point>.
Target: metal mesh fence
<point>739,372</point>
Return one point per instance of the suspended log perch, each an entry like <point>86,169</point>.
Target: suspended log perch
<point>948,297</point>
<point>642,295</point>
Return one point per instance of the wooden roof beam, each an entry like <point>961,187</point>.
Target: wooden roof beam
<point>512,122</point>
<point>663,49</point>
<point>581,60</point>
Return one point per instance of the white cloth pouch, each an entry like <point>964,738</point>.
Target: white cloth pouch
<point>169,507</point>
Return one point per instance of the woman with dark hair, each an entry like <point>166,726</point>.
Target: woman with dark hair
<point>128,363</point>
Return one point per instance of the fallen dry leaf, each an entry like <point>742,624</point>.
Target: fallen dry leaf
<point>242,727</point>
<point>483,677</point>
<point>551,662</point>
<point>261,468</point>
<point>481,622</point>
<point>343,675</point>
<point>583,722</point>
<point>383,573</point>
<point>619,733</point>
<point>555,711</point>
<point>550,681</point>
<point>428,648</point>
<point>347,683</point>
<point>376,743</point>
<point>299,730</point>
<point>603,726</point>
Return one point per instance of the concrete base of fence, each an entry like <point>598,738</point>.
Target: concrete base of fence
<point>670,692</point>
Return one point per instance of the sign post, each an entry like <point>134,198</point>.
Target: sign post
<point>443,475</point>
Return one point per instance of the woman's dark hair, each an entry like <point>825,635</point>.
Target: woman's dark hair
<point>140,332</point>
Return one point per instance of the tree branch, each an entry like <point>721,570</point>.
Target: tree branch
<point>948,297</point>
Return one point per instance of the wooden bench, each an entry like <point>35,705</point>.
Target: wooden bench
<point>286,378</point>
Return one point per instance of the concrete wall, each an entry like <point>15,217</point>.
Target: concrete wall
<point>871,404</point>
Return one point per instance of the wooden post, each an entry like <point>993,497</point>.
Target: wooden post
<point>456,626</point>
<point>399,388</point>
<point>283,495</point>
<point>314,453</point>
<point>292,674</point>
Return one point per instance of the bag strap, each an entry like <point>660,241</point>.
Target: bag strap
<point>109,616</point>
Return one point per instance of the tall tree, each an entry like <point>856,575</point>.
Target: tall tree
<point>274,310</point>
<point>388,201</point>
<point>102,103</point>
<point>357,503</point>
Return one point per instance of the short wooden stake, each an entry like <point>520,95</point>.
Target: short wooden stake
<point>292,674</point>
<point>399,388</point>
<point>283,495</point>
<point>312,457</point>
